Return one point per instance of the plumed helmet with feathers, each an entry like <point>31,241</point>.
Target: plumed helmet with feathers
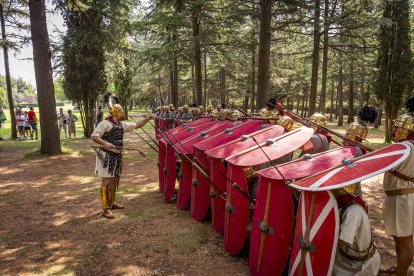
<point>367,114</point>
<point>115,109</point>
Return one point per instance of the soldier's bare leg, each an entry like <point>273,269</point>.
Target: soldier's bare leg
<point>404,250</point>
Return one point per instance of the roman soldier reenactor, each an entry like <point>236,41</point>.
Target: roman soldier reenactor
<point>398,209</point>
<point>109,133</point>
<point>286,122</point>
<point>356,252</point>
<point>209,109</point>
<point>187,114</point>
<point>358,130</point>
<point>319,141</point>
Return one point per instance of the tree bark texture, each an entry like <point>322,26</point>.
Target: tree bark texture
<point>197,55</point>
<point>322,102</point>
<point>265,38</point>
<point>7,71</point>
<point>351,92</point>
<point>331,110</point>
<point>253,80</point>
<point>222,85</point>
<point>50,142</point>
<point>340,98</point>
<point>205,98</point>
<point>315,59</point>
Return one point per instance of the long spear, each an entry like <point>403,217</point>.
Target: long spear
<point>307,122</point>
<point>201,168</point>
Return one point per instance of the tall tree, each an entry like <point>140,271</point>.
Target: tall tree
<point>198,78</point>
<point>265,38</point>
<point>315,58</point>
<point>394,61</point>
<point>50,142</point>
<point>7,71</point>
<point>84,60</point>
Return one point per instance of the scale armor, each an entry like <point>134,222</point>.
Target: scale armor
<point>113,160</point>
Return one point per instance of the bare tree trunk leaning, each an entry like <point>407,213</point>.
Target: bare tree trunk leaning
<point>7,71</point>
<point>50,142</point>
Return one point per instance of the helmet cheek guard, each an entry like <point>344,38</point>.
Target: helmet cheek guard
<point>403,126</point>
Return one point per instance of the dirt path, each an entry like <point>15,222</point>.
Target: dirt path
<point>51,224</point>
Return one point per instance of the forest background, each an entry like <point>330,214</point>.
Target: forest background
<point>330,56</point>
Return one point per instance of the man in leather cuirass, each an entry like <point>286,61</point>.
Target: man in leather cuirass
<point>109,133</point>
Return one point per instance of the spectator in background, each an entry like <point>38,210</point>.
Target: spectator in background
<point>27,129</point>
<point>2,120</point>
<point>99,115</point>
<point>33,122</point>
<point>20,123</point>
<point>62,122</point>
<point>72,119</point>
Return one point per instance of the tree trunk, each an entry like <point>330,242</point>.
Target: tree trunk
<point>340,99</point>
<point>253,79</point>
<point>197,55</point>
<point>297,104</point>
<point>159,89</point>
<point>315,59</point>
<point>50,142</point>
<point>194,86</point>
<point>322,103</point>
<point>302,112</point>
<point>7,71</point>
<point>265,38</point>
<point>170,85</point>
<point>246,102</point>
<point>174,99</point>
<point>332,99</point>
<point>362,91</point>
<point>205,78</point>
<point>351,93</point>
<point>222,86</point>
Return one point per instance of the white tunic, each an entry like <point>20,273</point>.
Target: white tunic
<point>103,127</point>
<point>398,211</point>
<point>355,230</point>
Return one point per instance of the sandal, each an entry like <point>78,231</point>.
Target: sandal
<point>389,271</point>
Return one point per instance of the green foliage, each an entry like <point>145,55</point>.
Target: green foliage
<point>23,92</point>
<point>394,63</point>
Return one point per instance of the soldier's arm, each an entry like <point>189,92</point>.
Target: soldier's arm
<point>142,123</point>
<point>102,142</point>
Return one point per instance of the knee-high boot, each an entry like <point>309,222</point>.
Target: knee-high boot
<point>106,200</point>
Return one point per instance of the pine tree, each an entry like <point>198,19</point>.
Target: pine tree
<point>394,61</point>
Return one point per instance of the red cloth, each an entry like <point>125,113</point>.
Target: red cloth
<point>31,114</point>
<point>347,200</point>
